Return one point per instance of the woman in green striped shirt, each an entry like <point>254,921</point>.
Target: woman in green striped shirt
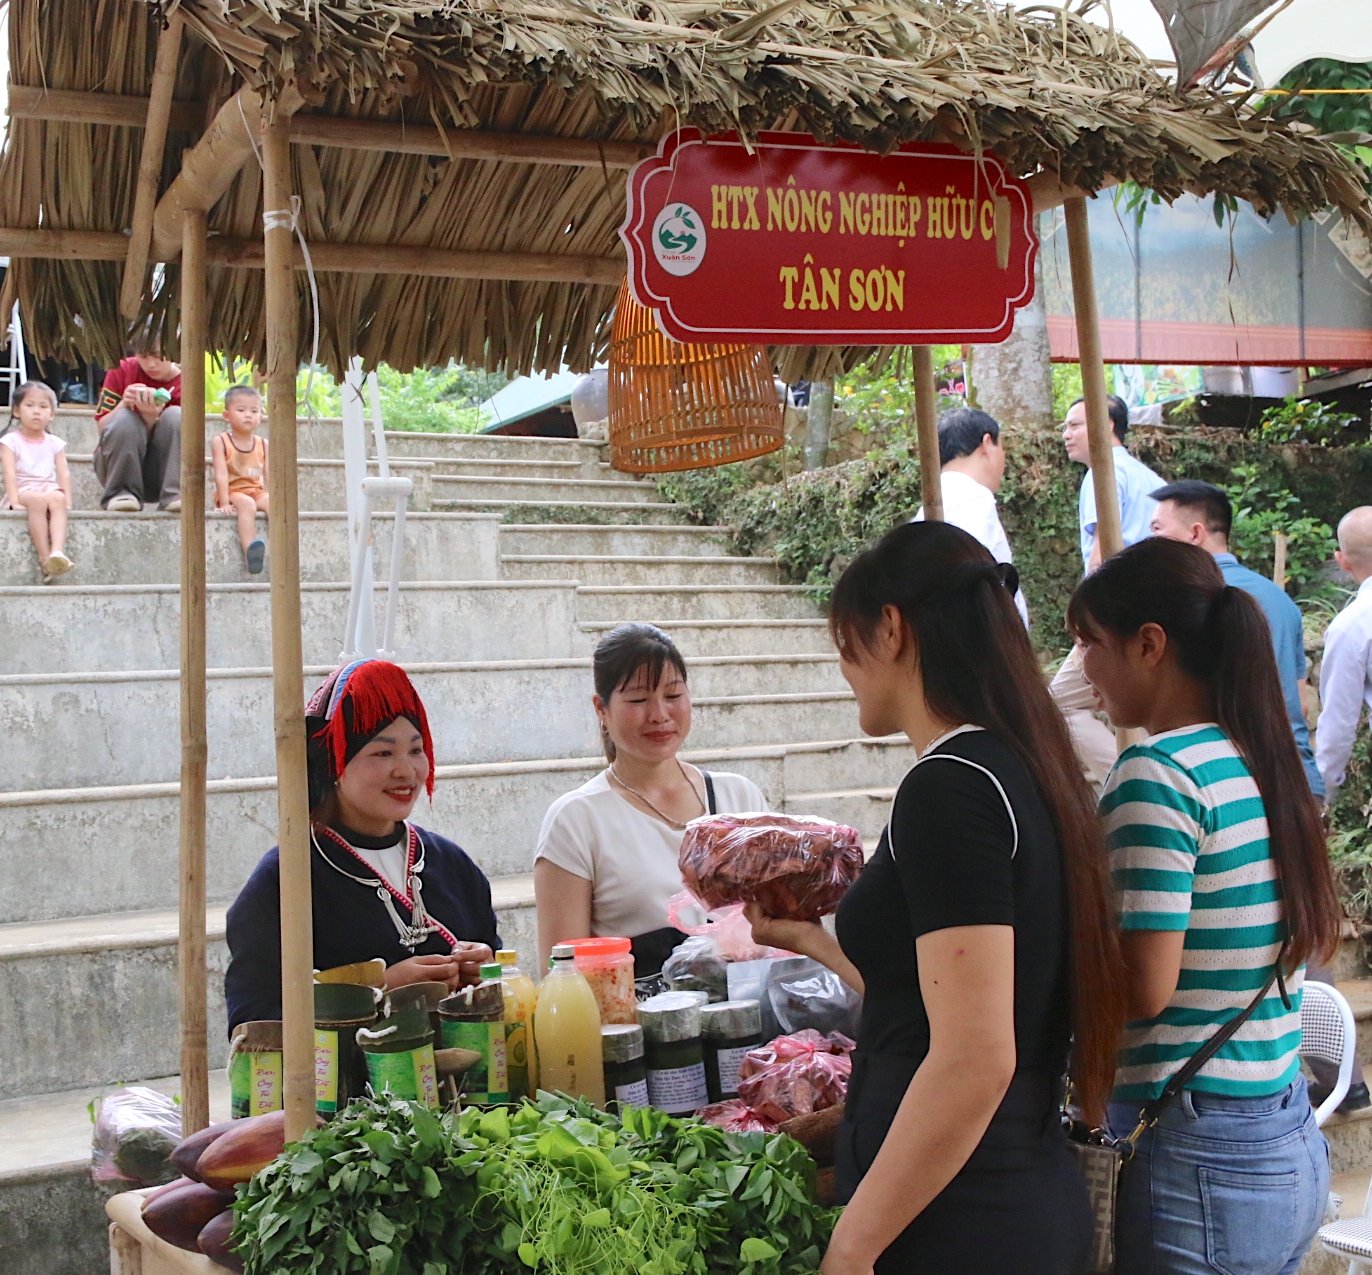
<point>1221,874</point>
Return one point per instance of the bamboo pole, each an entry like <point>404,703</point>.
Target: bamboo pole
<point>297,958</point>
<point>118,110</point>
<point>209,168</point>
<point>450,263</point>
<point>1099,432</point>
<point>332,258</point>
<point>926,424</point>
<point>150,167</point>
<point>195,1085</point>
<point>73,107</point>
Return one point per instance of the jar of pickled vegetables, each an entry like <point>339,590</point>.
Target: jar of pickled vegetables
<point>607,964</point>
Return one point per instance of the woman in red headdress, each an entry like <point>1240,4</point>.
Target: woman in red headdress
<point>381,886</point>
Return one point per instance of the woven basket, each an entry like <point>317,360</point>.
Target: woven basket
<point>675,406</point>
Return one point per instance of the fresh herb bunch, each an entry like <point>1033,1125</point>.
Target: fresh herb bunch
<point>555,1187</point>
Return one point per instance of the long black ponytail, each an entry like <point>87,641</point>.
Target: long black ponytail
<point>1222,640</point>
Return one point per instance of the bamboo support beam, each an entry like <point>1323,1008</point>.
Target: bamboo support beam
<point>68,106</point>
<point>336,258</point>
<point>926,424</point>
<point>209,168</point>
<point>449,263</point>
<point>150,168</point>
<point>1100,434</point>
<point>288,688</point>
<point>195,1084</point>
<point>464,143</point>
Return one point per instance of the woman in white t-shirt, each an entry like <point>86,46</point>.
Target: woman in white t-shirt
<point>606,862</point>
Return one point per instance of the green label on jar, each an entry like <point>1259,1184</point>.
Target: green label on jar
<point>488,1080</point>
<point>410,1074</point>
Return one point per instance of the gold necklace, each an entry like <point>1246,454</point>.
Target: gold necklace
<point>667,819</point>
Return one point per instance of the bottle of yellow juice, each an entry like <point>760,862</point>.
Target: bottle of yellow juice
<point>521,999</point>
<point>567,1031</point>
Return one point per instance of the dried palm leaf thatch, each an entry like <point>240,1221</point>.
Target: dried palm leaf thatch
<point>675,406</point>
<point>1047,92</point>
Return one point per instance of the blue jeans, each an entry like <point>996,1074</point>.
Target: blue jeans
<point>1229,1185</point>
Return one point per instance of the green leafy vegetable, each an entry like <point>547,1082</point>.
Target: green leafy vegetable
<point>553,1187</point>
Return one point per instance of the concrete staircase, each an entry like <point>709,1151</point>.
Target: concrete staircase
<point>520,553</point>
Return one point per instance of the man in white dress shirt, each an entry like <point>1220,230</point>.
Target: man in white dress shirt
<point>971,466</point>
<point>1346,673</point>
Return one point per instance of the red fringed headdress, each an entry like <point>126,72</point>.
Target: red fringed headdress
<point>355,702</point>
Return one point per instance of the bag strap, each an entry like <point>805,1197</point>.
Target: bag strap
<point>710,792</point>
<point>1148,1117</point>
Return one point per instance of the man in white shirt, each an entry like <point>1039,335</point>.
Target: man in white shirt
<point>971,466</point>
<point>1346,673</point>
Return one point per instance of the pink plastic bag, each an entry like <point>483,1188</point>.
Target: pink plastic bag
<point>726,926</point>
<point>735,1116</point>
<point>796,1075</point>
<point>798,869</point>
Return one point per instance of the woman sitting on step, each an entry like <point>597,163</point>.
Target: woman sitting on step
<point>606,862</point>
<point>381,886</point>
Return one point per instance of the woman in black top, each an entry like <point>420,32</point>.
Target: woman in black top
<point>983,918</point>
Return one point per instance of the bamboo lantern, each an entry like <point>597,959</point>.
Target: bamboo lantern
<point>676,406</point>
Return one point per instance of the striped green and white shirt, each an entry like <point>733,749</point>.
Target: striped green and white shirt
<point>1189,851</point>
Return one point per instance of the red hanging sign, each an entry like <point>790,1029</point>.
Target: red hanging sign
<point>796,242</point>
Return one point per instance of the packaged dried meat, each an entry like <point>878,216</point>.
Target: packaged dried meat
<point>796,1075</point>
<point>798,869</point>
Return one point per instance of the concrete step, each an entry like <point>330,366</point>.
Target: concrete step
<point>95,999</point>
<point>494,811</point>
<point>555,512</point>
<point>107,628</point>
<point>583,466</point>
<point>638,570</point>
<point>325,439</point>
<point>120,728</point>
<point>598,540</point>
<point>866,809</point>
<point>52,1217</point>
<point>321,483</point>
<point>698,638</point>
<point>674,603</point>
<point>145,548</point>
<point>532,491</point>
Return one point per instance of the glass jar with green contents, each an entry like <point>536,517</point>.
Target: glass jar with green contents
<point>729,1030</point>
<point>673,1052</point>
<point>626,1072</point>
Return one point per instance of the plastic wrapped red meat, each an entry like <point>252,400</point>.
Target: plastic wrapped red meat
<point>796,1075</point>
<point>794,868</point>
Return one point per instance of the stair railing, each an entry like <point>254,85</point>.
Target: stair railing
<point>364,493</point>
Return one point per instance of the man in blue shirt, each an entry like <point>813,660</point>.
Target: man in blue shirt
<point>1134,481</point>
<point>1200,514</point>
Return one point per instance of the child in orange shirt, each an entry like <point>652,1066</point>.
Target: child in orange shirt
<point>240,470</point>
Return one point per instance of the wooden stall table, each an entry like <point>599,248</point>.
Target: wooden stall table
<point>135,1250</point>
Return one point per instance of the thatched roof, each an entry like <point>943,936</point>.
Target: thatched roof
<point>1047,92</point>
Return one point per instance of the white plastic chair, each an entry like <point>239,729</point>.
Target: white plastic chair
<point>1328,1034</point>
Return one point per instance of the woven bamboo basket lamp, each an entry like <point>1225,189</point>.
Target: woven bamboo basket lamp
<point>675,406</point>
